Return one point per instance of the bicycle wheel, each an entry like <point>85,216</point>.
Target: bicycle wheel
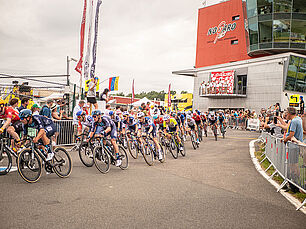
<point>101,159</point>
<point>163,153</point>
<point>200,134</point>
<point>183,152</point>
<point>132,148</point>
<point>215,133</point>
<point>223,132</point>
<point>5,162</point>
<point>174,150</point>
<point>194,144</point>
<point>85,154</point>
<point>29,165</point>
<point>62,164</point>
<point>124,158</point>
<point>148,155</point>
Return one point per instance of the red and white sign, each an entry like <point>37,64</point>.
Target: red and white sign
<point>223,79</point>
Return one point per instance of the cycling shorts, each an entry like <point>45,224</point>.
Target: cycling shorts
<point>198,122</point>
<point>113,133</point>
<point>153,132</point>
<point>50,130</point>
<point>18,126</point>
<point>132,128</point>
<point>171,129</point>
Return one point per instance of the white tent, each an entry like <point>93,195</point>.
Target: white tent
<point>143,100</point>
<point>53,96</point>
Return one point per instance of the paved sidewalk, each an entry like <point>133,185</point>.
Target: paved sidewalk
<point>215,186</point>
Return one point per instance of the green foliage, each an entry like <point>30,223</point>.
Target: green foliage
<point>150,95</point>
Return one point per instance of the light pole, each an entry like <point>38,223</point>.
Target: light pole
<point>68,63</point>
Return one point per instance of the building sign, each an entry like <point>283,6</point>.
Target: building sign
<point>221,30</point>
<point>224,80</point>
<point>294,100</point>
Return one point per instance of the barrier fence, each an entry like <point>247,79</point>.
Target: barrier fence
<point>288,160</point>
<point>65,131</point>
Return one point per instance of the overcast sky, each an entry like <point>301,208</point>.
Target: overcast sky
<point>145,40</point>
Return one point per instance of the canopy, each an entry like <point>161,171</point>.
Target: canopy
<point>143,100</point>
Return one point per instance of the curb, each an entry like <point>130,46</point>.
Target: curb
<point>289,197</point>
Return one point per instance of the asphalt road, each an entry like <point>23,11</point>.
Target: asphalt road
<point>215,186</point>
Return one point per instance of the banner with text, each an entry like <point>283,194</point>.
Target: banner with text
<point>224,80</point>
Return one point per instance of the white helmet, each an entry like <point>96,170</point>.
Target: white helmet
<point>166,117</point>
<point>140,114</point>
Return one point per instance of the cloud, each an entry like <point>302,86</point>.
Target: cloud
<point>141,40</point>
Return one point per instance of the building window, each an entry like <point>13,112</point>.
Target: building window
<point>253,33</point>
<point>298,32</point>
<point>282,6</point>
<point>265,31</point>
<point>251,8</point>
<point>264,6</point>
<point>281,30</point>
<point>296,75</point>
<point>235,18</point>
<point>299,6</point>
<point>234,42</point>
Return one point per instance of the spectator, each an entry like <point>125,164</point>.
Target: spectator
<point>273,125</point>
<point>107,109</point>
<point>45,110</point>
<point>304,126</point>
<point>91,94</point>
<point>60,109</point>
<point>208,87</point>
<point>24,104</point>
<point>35,109</point>
<point>295,130</point>
<point>302,105</point>
<point>77,108</point>
<point>104,98</point>
<point>86,108</point>
<point>55,115</point>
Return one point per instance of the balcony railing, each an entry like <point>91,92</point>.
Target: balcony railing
<point>215,92</point>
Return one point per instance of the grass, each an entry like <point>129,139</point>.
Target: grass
<point>259,150</point>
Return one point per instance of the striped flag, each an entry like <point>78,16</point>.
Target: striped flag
<point>78,68</point>
<point>113,83</point>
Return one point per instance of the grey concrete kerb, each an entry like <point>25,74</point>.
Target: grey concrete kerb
<point>289,197</point>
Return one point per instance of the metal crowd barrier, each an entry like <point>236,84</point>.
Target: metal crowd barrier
<point>237,122</point>
<point>65,131</point>
<point>289,161</point>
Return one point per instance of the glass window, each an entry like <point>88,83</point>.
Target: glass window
<point>265,31</point>
<point>298,32</point>
<point>291,75</point>
<point>251,8</point>
<point>264,6</point>
<point>253,33</point>
<point>281,30</point>
<point>283,6</point>
<point>300,84</point>
<point>299,6</point>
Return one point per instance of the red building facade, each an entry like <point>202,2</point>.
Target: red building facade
<point>222,37</point>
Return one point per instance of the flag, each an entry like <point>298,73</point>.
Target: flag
<point>78,68</point>
<point>169,96</point>
<point>133,93</point>
<point>113,83</point>
<point>87,57</point>
<point>94,48</point>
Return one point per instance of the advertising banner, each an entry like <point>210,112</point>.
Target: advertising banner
<point>224,80</point>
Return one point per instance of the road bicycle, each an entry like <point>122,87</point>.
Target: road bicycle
<point>104,156</point>
<point>86,149</point>
<point>200,132</point>
<point>173,146</point>
<point>29,162</point>
<point>214,129</point>
<point>150,151</point>
<point>122,140</point>
<point>194,142</point>
<point>6,154</point>
<point>222,129</point>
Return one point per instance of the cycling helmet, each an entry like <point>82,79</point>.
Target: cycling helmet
<point>189,112</point>
<point>125,113</point>
<point>188,117</point>
<point>140,114</point>
<point>96,112</point>
<point>79,113</point>
<point>166,117</point>
<point>25,113</point>
<point>110,113</point>
<point>155,116</point>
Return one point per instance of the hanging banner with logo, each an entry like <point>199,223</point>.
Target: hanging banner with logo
<point>113,83</point>
<point>87,57</point>
<point>78,68</point>
<point>94,48</point>
<point>224,80</point>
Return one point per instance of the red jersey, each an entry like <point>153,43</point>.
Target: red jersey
<point>158,121</point>
<point>11,113</point>
<point>196,117</point>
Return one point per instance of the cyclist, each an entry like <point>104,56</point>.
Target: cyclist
<point>45,126</point>
<point>192,126</point>
<point>212,119</point>
<point>116,119</point>
<point>149,128</point>
<point>12,124</point>
<point>221,119</point>
<point>197,118</point>
<point>103,125</point>
<point>170,125</point>
<point>85,122</point>
<point>129,123</point>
